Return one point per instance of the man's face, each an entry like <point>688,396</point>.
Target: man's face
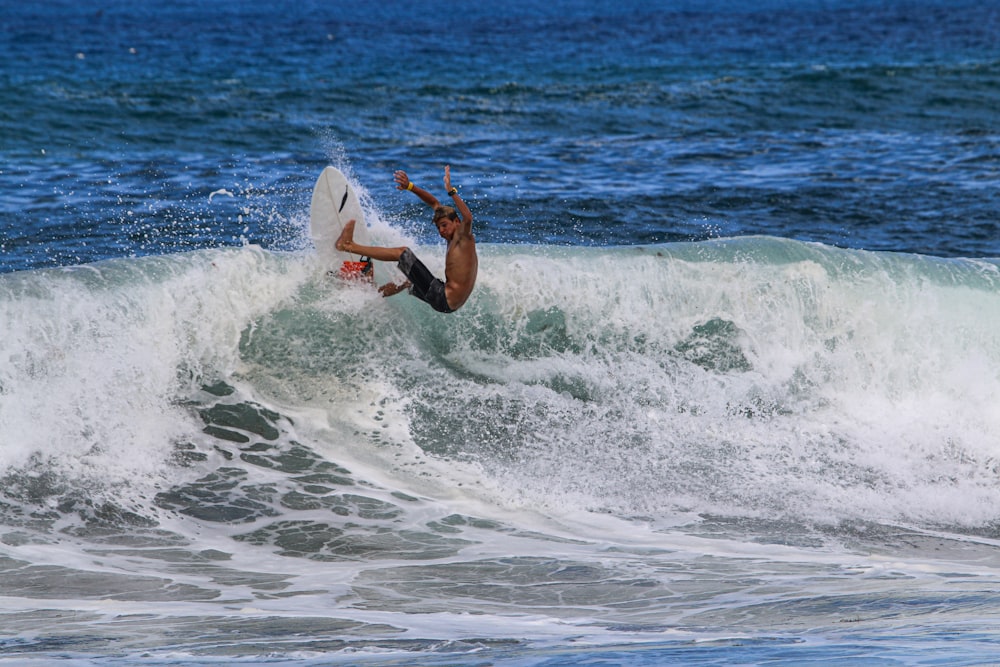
<point>446,227</point>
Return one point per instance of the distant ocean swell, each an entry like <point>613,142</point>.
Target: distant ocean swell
<point>755,377</point>
<point>882,152</point>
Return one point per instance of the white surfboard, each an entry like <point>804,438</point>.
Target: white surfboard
<point>334,202</point>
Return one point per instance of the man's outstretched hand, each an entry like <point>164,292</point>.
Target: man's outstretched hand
<point>392,288</point>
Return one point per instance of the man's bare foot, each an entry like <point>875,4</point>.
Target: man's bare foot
<point>346,239</point>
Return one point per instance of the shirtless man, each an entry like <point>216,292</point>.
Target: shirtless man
<point>461,262</point>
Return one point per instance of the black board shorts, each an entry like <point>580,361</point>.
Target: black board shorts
<point>423,284</point>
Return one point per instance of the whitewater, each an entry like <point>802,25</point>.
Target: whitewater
<point>685,449</point>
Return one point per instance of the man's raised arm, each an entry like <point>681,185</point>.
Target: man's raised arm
<point>403,182</point>
<point>460,205</point>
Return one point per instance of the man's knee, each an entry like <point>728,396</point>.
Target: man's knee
<point>406,260</point>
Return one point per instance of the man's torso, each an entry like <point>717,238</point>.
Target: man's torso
<point>461,268</point>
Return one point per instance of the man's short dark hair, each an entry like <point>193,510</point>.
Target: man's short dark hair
<point>445,212</point>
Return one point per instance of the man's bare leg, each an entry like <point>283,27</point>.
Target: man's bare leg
<point>345,243</point>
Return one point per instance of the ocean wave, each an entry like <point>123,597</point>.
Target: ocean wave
<point>753,376</point>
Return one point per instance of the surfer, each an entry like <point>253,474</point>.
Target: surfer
<point>461,265</point>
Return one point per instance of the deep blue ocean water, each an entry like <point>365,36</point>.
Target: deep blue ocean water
<point>858,124</point>
<point>726,391</point>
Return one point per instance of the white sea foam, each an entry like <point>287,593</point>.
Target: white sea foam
<point>760,377</point>
<point>823,386</point>
<point>96,358</point>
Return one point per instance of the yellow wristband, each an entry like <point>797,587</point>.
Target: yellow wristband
<point>453,192</point>
<point>409,186</point>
